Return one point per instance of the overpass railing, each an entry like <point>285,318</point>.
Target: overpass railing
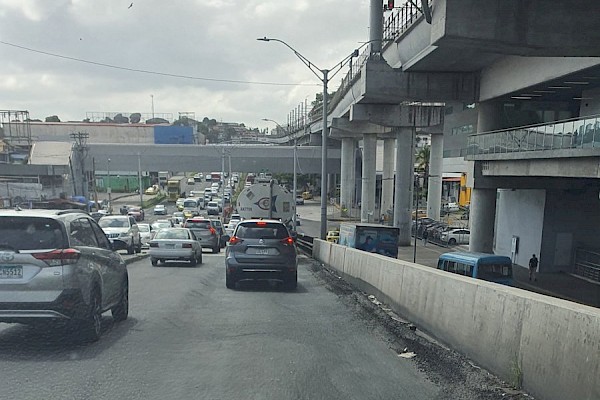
<point>401,20</point>
<point>574,133</point>
<point>587,264</point>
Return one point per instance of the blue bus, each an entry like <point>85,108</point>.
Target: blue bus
<point>488,267</point>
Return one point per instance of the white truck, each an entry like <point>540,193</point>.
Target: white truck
<point>266,200</point>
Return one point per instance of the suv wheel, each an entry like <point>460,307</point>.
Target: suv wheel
<point>291,283</point>
<point>216,249</point>
<point>452,242</point>
<point>91,326</point>
<point>154,262</point>
<point>120,312</point>
<point>229,282</point>
<point>193,261</point>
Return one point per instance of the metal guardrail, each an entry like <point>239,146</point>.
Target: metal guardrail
<point>401,19</point>
<point>305,243</point>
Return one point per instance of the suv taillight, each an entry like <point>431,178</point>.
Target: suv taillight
<point>288,240</point>
<point>186,246</point>
<point>235,240</point>
<point>213,231</point>
<point>59,257</point>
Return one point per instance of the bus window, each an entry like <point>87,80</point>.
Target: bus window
<point>492,272</point>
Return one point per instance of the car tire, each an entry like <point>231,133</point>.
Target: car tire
<point>291,283</point>
<point>216,249</point>
<point>130,248</point>
<point>229,282</point>
<point>193,261</point>
<point>452,242</point>
<point>154,262</point>
<point>120,312</point>
<point>90,327</point>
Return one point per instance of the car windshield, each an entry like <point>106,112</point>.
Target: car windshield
<point>261,231</point>
<point>30,234</point>
<point>160,225</point>
<point>113,223</point>
<point>198,224</point>
<point>144,228</point>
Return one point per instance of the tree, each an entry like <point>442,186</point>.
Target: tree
<point>52,118</point>
<point>423,164</point>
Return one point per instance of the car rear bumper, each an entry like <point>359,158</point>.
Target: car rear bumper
<point>67,305</point>
<point>164,254</point>
<point>240,271</point>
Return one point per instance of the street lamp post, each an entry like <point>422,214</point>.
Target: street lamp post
<point>323,75</point>
<point>140,180</point>
<point>108,188</point>
<point>295,184</point>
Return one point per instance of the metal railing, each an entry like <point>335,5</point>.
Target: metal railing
<point>567,134</point>
<point>401,20</point>
<point>587,264</point>
<point>305,243</point>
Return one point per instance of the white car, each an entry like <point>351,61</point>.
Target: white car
<point>160,209</point>
<point>455,236</point>
<point>213,208</point>
<point>146,234</point>
<point>451,207</point>
<point>179,244</point>
<point>123,232</point>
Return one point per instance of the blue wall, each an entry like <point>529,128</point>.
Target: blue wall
<point>173,135</point>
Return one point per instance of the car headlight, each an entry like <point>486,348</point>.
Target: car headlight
<point>124,234</point>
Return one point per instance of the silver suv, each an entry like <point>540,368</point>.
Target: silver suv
<point>58,266</point>
<point>123,232</point>
<point>261,250</point>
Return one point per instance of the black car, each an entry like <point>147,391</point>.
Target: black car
<point>261,250</point>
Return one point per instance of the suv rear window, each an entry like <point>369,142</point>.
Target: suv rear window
<point>253,230</point>
<point>198,224</point>
<point>30,233</point>
<point>113,222</point>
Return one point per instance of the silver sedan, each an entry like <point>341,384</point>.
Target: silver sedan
<point>177,244</point>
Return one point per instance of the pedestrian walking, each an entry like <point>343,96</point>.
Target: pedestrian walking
<point>533,264</point>
<point>425,236</point>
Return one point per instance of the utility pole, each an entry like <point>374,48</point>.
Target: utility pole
<point>140,180</point>
<point>80,139</point>
<point>94,182</point>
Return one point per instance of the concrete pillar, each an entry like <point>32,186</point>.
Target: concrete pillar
<point>376,26</point>
<point>387,183</point>
<point>482,220</point>
<point>369,177</point>
<point>434,183</point>
<point>347,175</point>
<point>489,116</point>
<point>405,145</point>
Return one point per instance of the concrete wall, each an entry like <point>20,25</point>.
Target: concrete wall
<point>572,219</point>
<point>99,133</point>
<point>521,213</point>
<point>554,342</point>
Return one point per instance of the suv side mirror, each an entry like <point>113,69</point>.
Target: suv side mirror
<point>225,238</point>
<point>294,235</point>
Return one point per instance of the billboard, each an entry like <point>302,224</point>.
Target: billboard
<point>165,134</point>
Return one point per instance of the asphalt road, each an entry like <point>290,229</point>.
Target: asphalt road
<point>188,337</point>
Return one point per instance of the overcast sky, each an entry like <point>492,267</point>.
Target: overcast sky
<point>213,39</point>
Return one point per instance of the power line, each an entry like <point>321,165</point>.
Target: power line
<point>144,71</point>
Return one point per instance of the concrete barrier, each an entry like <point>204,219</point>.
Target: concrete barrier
<point>551,345</point>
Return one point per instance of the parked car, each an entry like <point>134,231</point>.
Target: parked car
<point>307,195</point>
<point>146,234</point>
<point>299,200</point>
<point>261,250</point>
<point>333,236</point>
<point>451,207</point>
<point>205,233</point>
<point>178,244</point>
<point>456,236</point>
<point>160,209</point>
<point>123,232</point>
<point>191,181</point>
<point>58,266</point>
<point>136,212</point>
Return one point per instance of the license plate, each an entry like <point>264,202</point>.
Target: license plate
<point>261,252</point>
<point>169,246</point>
<point>12,272</point>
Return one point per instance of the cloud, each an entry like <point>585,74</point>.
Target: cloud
<point>204,38</point>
